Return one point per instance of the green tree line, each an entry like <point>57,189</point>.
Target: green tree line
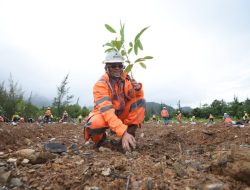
<point>217,108</point>
<point>12,102</point>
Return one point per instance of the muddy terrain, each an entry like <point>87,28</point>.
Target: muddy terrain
<point>55,156</point>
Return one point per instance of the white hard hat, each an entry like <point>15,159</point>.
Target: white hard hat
<point>113,57</point>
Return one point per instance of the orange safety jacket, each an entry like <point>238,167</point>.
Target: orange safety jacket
<point>228,120</point>
<point>116,105</point>
<point>164,113</point>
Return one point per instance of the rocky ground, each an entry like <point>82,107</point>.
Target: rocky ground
<point>185,157</point>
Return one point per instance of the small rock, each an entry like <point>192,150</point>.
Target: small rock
<point>80,162</point>
<point>25,153</point>
<point>215,186</point>
<point>179,170</point>
<point>106,172</point>
<point>75,149</point>
<point>12,160</point>
<point>104,149</point>
<point>16,182</point>
<point>52,139</point>
<point>135,185</point>
<point>92,188</point>
<point>25,161</point>
<point>4,177</point>
<point>27,141</point>
<point>149,183</point>
<point>41,157</point>
<point>55,147</point>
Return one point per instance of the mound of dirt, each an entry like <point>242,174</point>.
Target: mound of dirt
<point>166,157</point>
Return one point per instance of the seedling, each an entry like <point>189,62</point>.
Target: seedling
<point>133,47</point>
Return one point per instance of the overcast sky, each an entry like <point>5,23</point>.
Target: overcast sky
<point>201,48</point>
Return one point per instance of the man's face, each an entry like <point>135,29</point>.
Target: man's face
<point>115,69</point>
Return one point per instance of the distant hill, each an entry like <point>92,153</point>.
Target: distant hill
<point>186,109</point>
<point>40,101</point>
<point>155,108</point>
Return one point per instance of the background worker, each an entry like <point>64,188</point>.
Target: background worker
<point>154,118</point>
<point>47,115</point>
<point>245,117</point>
<point>228,121</point>
<point>119,104</point>
<point>64,117</point>
<point>15,118</point>
<point>79,118</point>
<point>193,120</point>
<point>210,118</point>
<point>179,117</point>
<point>165,115</point>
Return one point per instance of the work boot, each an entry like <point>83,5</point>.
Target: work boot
<point>131,129</point>
<point>105,142</point>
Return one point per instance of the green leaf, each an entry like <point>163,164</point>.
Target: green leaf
<point>130,44</point>
<point>108,50</point>
<point>148,57</point>
<point>143,65</point>
<point>128,68</point>
<point>123,52</point>
<point>129,51</point>
<point>122,32</point>
<point>140,33</point>
<point>136,45</point>
<point>139,60</point>
<point>117,44</point>
<point>139,44</point>
<point>107,44</point>
<point>109,28</point>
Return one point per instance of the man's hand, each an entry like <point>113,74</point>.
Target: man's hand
<point>128,141</point>
<point>135,84</point>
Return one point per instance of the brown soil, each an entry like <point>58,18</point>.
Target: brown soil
<point>166,157</point>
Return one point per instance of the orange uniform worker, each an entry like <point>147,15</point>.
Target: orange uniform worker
<point>165,115</point>
<point>118,104</point>
<point>227,119</point>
